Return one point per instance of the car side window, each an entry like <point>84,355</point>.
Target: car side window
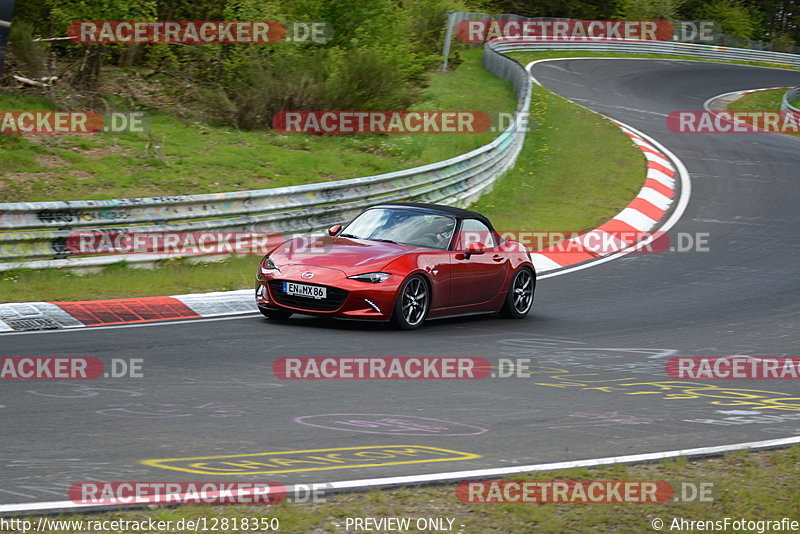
<point>474,231</point>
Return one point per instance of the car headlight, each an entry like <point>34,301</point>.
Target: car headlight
<point>268,265</point>
<point>372,278</point>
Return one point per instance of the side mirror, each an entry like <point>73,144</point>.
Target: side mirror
<point>335,229</point>
<point>474,248</point>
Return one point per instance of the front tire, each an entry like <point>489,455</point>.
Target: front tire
<point>519,299</point>
<point>275,315</point>
<point>412,305</point>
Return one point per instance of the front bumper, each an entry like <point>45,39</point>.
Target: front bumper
<point>347,298</point>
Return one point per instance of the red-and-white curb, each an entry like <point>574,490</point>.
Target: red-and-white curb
<point>722,101</point>
<point>762,89</point>
<point>641,216</point>
<point>23,316</point>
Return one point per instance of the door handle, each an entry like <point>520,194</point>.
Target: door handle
<point>497,257</point>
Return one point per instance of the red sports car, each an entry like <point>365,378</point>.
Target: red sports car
<point>399,262</point>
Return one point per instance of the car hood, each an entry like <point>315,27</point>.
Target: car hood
<point>352,256</point>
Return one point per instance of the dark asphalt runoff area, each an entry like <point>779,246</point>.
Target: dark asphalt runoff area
<point>597,341</point>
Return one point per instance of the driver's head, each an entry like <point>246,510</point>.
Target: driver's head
<point>440,225</point>
<point>442,228</point>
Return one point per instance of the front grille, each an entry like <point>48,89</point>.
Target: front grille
<point>335,298</point>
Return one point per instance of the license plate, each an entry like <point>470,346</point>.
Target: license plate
<point>303,290</point>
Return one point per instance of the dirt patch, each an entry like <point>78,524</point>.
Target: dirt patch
<point>22,186</point>
<point>80,174</point>
<point>104,151</point>
<point>50,161</point>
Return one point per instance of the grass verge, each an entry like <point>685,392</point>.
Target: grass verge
<point>576,171</point>
<point>761,101</point>
<point>181,156</point>
<point>169,277</point>
<point>744,485</point>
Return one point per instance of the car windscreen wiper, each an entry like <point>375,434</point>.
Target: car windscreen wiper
<point>368,238</point>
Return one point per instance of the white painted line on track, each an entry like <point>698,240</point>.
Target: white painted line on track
<point>591,462</point>
<point>463,475</point>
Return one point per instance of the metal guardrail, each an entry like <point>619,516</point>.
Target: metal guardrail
<point>717,39</point>
<point>788,97</point>
<point>455,17</point>
<point>701,51</point>
<point>296,209</point>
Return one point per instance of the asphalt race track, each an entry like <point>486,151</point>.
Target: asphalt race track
<point>598,340</point>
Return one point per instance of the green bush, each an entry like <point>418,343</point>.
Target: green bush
<point>378,57</point>
<point>369,64</point>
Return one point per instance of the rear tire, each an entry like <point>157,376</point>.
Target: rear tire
<point>519,299</point>
<point>412,304</point>
<point>275,315</point>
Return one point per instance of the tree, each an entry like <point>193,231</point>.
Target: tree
<point>733,16</point>
<point>64,12</point>
<point>650,9</point>
<point>779,19</point>
<point>574,9</point>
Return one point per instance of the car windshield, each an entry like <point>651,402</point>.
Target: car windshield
<point>404,226</point>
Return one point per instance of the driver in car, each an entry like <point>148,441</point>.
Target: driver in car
<point>439,233</point>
